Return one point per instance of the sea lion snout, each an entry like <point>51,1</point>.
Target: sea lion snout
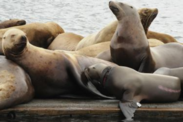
<point>155,12</point>
<point>113,7</point>
<point>23,39</point>
<point>21,22</point>
<point>86,70</point>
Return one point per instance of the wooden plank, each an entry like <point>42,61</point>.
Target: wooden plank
<point>78,108</point>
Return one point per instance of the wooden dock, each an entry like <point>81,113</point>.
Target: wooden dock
<point>79,109</point>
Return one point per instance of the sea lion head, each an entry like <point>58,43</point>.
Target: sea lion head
<point>14,41</point>
<point>147,15</point>
<point>94,72</point>
<point>121,10</point>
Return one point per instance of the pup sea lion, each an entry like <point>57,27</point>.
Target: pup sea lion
<point>11,23</point>
<point>65,41</point>
<point>52,72</point>
<point>129,46</point>
<point>15,84</point>
<point>39,34</point>
<point>130,86</point>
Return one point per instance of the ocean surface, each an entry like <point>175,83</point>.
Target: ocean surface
<point>85,17</point>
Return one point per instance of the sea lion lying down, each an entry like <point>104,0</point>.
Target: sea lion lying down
<point>130,86</point>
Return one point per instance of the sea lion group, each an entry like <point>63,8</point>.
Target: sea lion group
<point>124,60</point>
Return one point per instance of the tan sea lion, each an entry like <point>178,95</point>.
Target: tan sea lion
<point>65,41</point>
<point>130,86</point>
<point>39,34</point>
<point>147,15</point>
<point>11,23</point>
<point>102,36</point>
<point>15,84</point>
<point>129,45</point>
<point>52,72</point>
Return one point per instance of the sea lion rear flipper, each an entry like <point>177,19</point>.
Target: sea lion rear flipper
<point>129,108</point>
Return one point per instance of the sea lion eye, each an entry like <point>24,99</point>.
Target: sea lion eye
<point>4,37</point>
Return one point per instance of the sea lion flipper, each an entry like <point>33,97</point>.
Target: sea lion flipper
<point>129,108</point>
<point>93,89</point>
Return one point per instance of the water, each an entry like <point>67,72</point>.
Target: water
<point>85,17</point>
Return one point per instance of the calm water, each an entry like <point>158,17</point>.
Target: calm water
<point>85,17</point>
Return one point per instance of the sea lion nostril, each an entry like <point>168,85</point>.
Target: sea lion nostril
<point>23,38</point>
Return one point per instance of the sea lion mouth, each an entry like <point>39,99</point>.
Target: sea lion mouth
<point>89,78</point>
<point>114,9</point>
<point>87,75</point>
<point>154,14</point>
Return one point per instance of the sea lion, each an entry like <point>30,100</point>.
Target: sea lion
<point>130,86</point>
<point>155,42</point>
<point>15,84</point>
<point>102,36</point>
<point>165,38</point>
<point>176,72</point>
<point>102,50</point>
<point>65,41</point>
<point>39,34</point>
<point>129,46</point>
<point>147,15</point>
<point>52,72</point>
<point>98,48</point>
<point>11,23</point>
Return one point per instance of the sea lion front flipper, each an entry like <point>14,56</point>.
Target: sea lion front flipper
<point>129,108</point>
<point>94,90</point>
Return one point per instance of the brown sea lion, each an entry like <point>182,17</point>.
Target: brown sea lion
<point>165,38</point>
<point>15,84</point>
<point>52,72</point>
<point>130,86</point>
<point>39,34</point>
<point>65,41</point>
<point>147,15</point>
<point>129,45</point>
<point>11,23</point>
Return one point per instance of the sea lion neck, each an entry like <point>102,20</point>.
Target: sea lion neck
<point>16,55</point>
<point>130,26</point>
<point>104,75</point>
